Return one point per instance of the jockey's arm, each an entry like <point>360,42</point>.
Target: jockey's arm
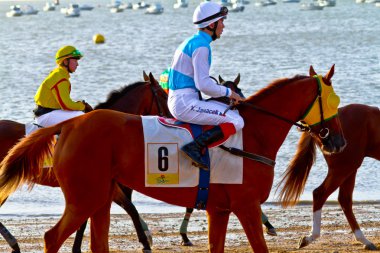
<point>202,79</point>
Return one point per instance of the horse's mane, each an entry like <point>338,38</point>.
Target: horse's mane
<point>115,95</point>
<point>274,85</point>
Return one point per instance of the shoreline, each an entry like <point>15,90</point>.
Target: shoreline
<point>290,223</point>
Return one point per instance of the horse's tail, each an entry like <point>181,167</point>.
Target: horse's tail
<point>295,176</point>
<point>24,161</point>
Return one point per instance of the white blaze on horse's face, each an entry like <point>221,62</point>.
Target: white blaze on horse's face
<point>330,103</point>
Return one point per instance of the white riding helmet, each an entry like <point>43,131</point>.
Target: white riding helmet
<point>207,13</point>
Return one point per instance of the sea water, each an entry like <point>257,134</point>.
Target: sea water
<point>262,44</point>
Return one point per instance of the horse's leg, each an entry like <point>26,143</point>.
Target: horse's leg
<point>9,238</point>
<point>183,228</point>
<point>268,226</point>
<point>217,229</point>
<point>67,225</point>
<point>320,195</point>
<point>345,201</point>
<point>100,223</point>
<point>79,238</point>
<point>123,199</point>
<point>250,218</point>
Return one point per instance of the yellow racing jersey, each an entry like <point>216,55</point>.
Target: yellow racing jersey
<point>54,92</point>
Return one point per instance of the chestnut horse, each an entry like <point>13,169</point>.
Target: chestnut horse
<point>150,100</point>
<point>360,124</point>
<point>105,147</point>
<point>145,98</point>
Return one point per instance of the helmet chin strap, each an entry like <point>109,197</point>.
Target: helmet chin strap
<point>67,66</point>
<point>213,30</point>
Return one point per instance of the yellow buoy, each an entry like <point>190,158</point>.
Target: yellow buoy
<point>98,38</point>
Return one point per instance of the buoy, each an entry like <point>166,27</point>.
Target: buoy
<point>98,39</point>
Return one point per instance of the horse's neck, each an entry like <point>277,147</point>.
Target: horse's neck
<point>268,132</point>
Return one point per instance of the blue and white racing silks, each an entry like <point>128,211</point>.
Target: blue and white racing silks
<point>191,65</point>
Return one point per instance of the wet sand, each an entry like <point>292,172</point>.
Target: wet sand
<point>291,224</point>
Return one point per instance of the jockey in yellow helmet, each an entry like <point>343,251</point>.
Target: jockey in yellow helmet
<point>53,100</point>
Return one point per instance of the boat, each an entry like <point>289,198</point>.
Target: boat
<point>155,8</point>
<point>49,7</point>
<point>244,2</point>
<point>327,3</point>
<point>180,4</point>
<point>86,7</point>
<point>116,9</point>
<point>263,3</point>
<point>28,10</point>
<point>291,1</point>
<point>226,3</point>
<point>377,4</point>
<point>15,11</point>
<point>310,6</point>
<point>71,11</point>
<point>237,7</point>
<point>140,5</point>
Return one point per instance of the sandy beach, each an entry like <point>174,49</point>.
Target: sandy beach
<point>291,224</point>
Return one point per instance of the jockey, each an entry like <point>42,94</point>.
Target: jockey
<point>189,75</point>
<point>53,100</point>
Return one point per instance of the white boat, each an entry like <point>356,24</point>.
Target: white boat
<point>86,7</point>
<point>237,7</point>
<point>263,3</point>
<point>71,11</point>
<point>15,11</point>
<point>244,2</point>
<point>180,4</point>
<point>327,3</point>
<point>49,7</point>
<point>377,4</point>
<point>310,6</point>
<point>140,5</point>
<point>155,8</point>
<point>291,1</point>
<point>116,9</point>
<point>28,10</point>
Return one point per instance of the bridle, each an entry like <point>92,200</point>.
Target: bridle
<point>303,126</point>
<point>154,88</point>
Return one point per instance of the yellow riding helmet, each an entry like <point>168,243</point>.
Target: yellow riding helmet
<point>67,52</point>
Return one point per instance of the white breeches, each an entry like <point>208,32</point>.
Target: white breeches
<point>56,116</point>
<point>187,107</point>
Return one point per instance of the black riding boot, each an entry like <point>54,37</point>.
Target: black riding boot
<point>195,148</point>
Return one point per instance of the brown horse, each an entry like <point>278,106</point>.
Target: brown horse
<point>105,147</point>
<point>151,101</point>
<point>145,98</point>
<point>360,124</point>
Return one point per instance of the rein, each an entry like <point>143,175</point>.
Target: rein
<point>159,106</point>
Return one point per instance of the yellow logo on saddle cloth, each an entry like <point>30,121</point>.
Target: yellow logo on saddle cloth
<point>162,163</point>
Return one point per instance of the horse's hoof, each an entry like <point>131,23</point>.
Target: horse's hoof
<point>303,242</point>
<point>147,251</point>
<point>370,246</point>
<point>271,231</point>
<point>188,243</point>
<point>16,251</point>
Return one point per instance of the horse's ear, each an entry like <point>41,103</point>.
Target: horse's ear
<point>330,74</point>
<point>237,80</point>
<point>221,79</point>
<point>312,71</point>
<point>151,79</point>
<point>146,78</point>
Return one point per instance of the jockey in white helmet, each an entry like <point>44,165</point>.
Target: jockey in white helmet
<point>189,75</point>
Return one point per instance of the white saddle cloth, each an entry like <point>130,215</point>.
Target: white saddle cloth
<point>166,166</point>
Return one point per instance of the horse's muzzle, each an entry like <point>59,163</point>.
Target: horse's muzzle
<point>333,144</point>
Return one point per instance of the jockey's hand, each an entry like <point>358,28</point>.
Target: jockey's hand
<point>236,98</point>
<point>87,107</point>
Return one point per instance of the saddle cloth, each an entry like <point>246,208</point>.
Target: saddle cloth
<point>166,166</point>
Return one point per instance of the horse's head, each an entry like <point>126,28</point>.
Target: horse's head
<point>142,98</point>
<point>233,85</point>
<point>160,97</point>
<point>322,115</point>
